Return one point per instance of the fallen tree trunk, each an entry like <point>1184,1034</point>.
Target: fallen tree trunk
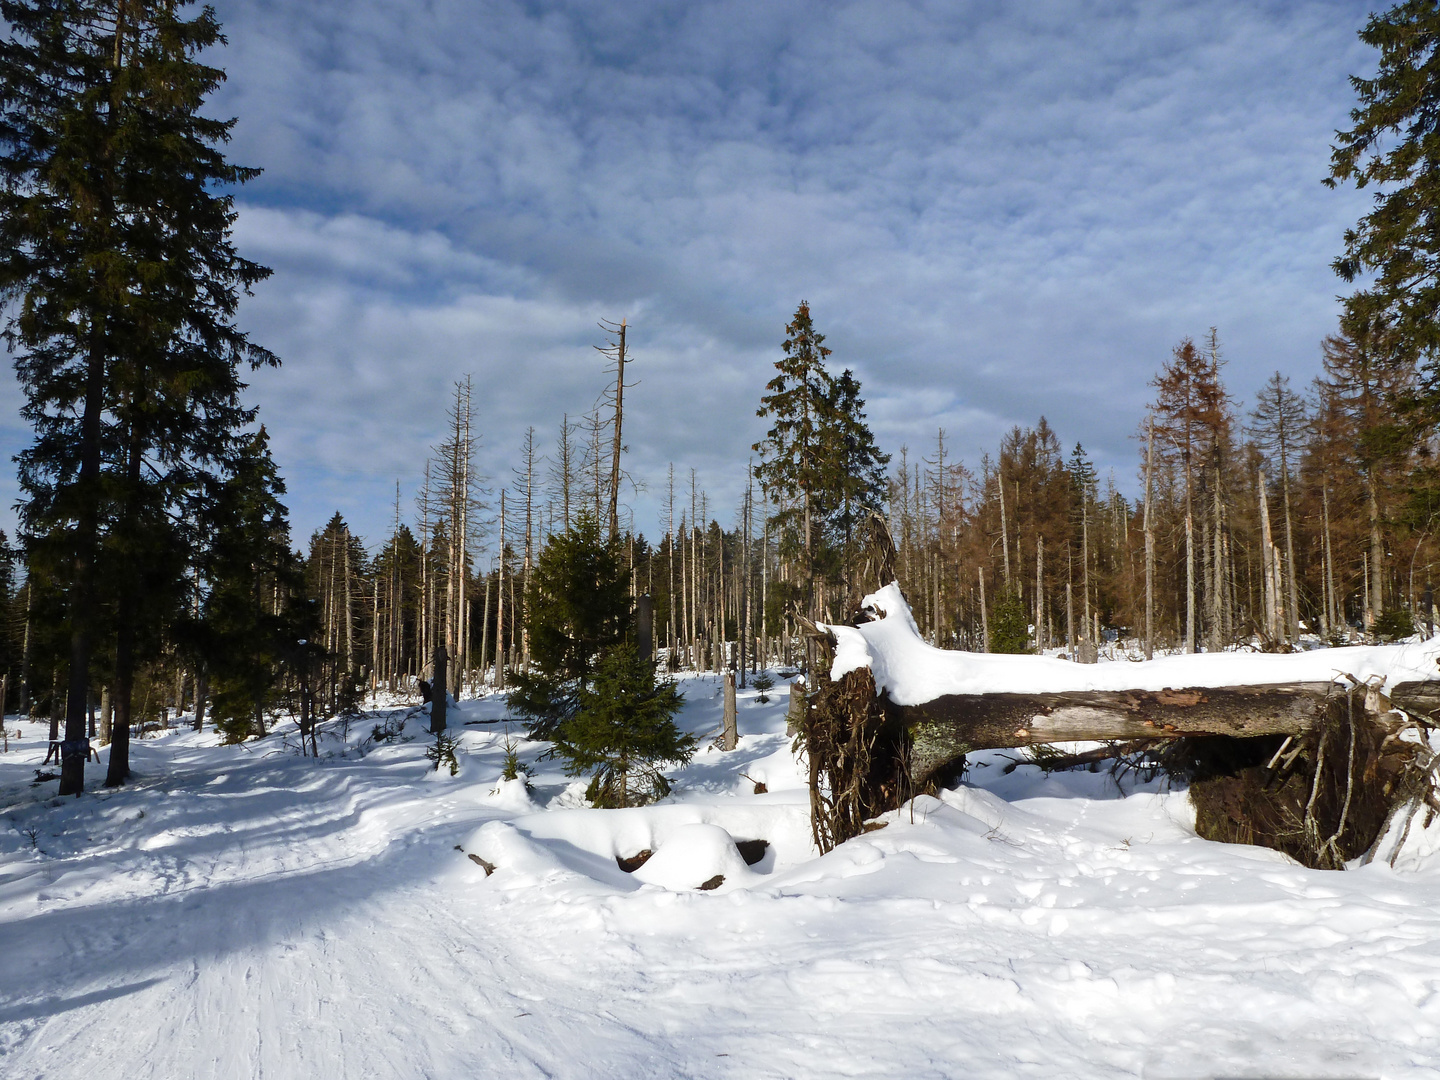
<point>1316,754</point>
<point>944,730</point>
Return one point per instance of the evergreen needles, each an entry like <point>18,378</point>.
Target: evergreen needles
<point>624,732</point>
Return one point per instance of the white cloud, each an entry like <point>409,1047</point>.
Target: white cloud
<point>997,211</point>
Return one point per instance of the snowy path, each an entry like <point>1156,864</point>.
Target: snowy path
<point>243,915</point>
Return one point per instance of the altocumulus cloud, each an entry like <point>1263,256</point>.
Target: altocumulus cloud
<point>996,212</point>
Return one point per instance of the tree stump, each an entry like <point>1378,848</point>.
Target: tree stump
<point>795,713</point>
<point>730,738</point>
<point>437,692</point>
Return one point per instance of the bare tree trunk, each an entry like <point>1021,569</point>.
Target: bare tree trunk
<point>984,613</point>
<point>1189,575</point>
<point>683,632</point>
<point>118,769</point>
<point>500,605</point>
<point>438,692</point>
<point>1040,639</point>
<point>1215,581</point>
<point>1292,592</point>
<point>1070,620</point>
<point>1376,582</point>
<point>423,640</point>
<point>765,587</point>
<point>485,632</point>
<point>1149,543</point>
<point>529,549</point>
<point>25,694</point>
<point>617,445</point>
<point>349,613</point>
<point>374,638</point>
<point>670,562</point>
<point>202,698</point>
<point>730,738</point>
<point>743,621</point>
<point>1004,529</point>
<point>462,655</point>
<point>1267,564</point>
<point>1332,611</point>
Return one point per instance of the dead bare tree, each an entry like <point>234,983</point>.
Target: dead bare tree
<point>614,398</point>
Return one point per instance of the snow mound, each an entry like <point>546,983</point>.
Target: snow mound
<point>693,856</point>
<point>512,796</point>
<point>914,672</point>
<point>588,842</point>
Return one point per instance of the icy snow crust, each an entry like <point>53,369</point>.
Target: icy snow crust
<point>914,672</point>
<point>243,912</point>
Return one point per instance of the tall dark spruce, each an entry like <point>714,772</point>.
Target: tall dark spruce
<point>247,632</point>
<point>792,469</point>
<point>1394,149</point>
<point>115,252</point>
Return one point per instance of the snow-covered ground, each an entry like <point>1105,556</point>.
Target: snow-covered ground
<point>244,912</point>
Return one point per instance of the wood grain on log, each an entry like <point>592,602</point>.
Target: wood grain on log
<point>1422,698</point>
<point>946,729</point>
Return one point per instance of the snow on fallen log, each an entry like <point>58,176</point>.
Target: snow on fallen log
<point>952,703</point>
<point>913,672</point>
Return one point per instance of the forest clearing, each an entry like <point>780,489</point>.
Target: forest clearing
<point>726,540</point>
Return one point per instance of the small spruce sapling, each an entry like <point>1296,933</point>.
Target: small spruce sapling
<point>624,731</point>
<point>511,766</point>
<point>764,682</point>
<point>443,752</point>
<point>1009,630</point>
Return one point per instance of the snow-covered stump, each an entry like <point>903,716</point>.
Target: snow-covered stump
<point>1311,753</point>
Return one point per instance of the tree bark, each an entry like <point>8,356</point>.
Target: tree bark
<point>500,605</point>
<point>1040,638</point>
<point>1004,529</point>
<point>946,729</point>
<point>202,697</point>
<point>438,690</point>
<point>616,444</point>
<point>1377,552</point>
<point>1149,544</point>
<point>730,738</point>
<point>984,613</point>
<point>1267,566</point>
<point>1331,609</point>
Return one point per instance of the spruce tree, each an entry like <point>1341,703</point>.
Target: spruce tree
<point>852,468</point>
<point>1009,631</point>
<point>793,468</point>
<point>115,249</point>
<point>578,605</point>
<point>249,626</point>
<point>623,731</point>
<point>1394,148</point>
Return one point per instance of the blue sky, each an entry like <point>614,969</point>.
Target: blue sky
<point>996,212</point>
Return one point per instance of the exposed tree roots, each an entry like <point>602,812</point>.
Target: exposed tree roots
<point>859,759</point>
<point>1323,800</point>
